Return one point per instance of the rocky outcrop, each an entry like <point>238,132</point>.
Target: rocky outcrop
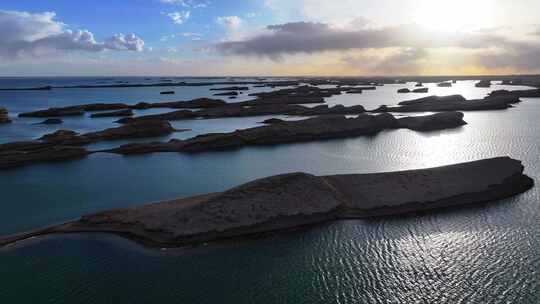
<point>451,103</point>
<point>246,110</point>
<point>233,93</point>
<point>199,103</point>
<point>121,113</point>
<point>283,100</point>
<point>4,117</point>
<point>51,121</point>
<point>318,128</point>
<point>445,84</point>
<point>272,121</point>
<point>170,116</point>
<point>420,90</point>
<point>291,200</point>
<point>326,110</point>
<point>65,137</point>
<point>44,88</point>
<point>65,143</point>
<point>300,92</point>
<point>356,89</point>
<point>483,84</point>
<point>42,153</point>
<point>299,95</point>
<point>54,112</point>
<point>437,121</point>
<point>140,129</point>
<point>533,93</point>
<point>434,99</point>
<point>230,89</point>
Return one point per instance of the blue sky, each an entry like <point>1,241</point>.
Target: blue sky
<point>268,37</point>
<point>146,18</point>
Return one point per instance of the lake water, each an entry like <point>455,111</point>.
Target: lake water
<point>484,254</point>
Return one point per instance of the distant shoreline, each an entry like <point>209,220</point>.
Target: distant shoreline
<point>525,80</point>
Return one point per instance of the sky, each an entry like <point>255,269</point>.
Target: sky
<point>268,37</point>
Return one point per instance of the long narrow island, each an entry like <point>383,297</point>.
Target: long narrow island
<point>66,144</point>
<point>292,200</point>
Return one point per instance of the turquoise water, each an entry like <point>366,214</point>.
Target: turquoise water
<point>487,254</point>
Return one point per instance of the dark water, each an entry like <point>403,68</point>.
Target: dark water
<point>488,254</point>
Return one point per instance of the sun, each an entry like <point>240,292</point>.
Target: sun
<point>456,15</point>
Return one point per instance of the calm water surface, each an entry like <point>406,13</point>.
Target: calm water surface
<point>487,254</point>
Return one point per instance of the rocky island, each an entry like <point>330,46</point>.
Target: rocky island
<point>246,110</point>
<point>452,103</point>
<point>298,199</point>
<point>532,93</point>
<point>77,110</point>
<point>298,95</point>
<point>312,129</point>
<point>4,118</point>
<point>65,144</point>
<point>119,113</point>
<point>483,84</point>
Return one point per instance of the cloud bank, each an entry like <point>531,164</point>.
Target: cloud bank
<point>412,42</point>
<point>25,34</point>
<point>309,37</point>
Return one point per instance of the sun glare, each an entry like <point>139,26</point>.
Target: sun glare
<point>453,15</point>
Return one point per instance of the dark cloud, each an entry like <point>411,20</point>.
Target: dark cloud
<point>524,56</point>
<point>308,37</point>
<point>489,47</point>
<point>24,34</point>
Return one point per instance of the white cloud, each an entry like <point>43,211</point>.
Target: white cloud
<point>16,26</point>
<point>179,2</point>
<point>187,3</point>
<point>235,28</point>
<point>231,23</point>
<point>128,42</point>
<point>193,36</point>
<point>26,34</point>
<point>190,34</point>
<point>179,17</point>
